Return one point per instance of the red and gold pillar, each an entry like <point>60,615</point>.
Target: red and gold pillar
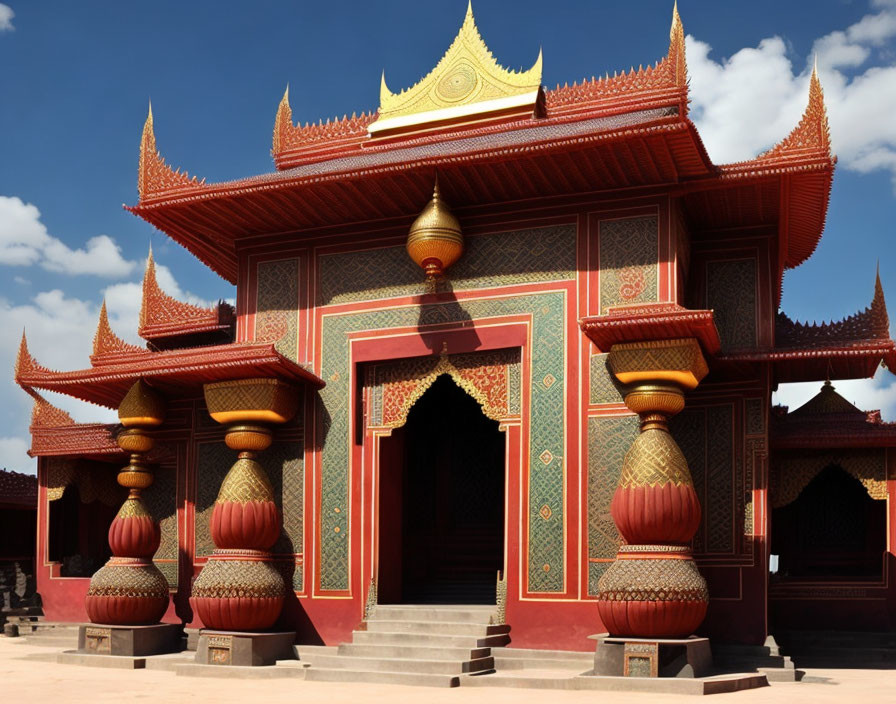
<point>239,589</point>
<point>129,590</point>
<point>654,589</point>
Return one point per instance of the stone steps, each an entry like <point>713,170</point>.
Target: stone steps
<point>447,628</point>
<point>422,645</point>
<point>444,614</point>
<point>428,639</point>
<point>386,664</point>
<point>412,652</point>
<point>374,677</point>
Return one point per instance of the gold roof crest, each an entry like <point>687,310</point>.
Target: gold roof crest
<point>467,81</point>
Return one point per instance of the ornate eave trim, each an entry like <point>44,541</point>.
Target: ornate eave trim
<point>456,112</point>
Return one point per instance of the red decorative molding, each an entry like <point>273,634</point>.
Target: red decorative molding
<point>652,321</point>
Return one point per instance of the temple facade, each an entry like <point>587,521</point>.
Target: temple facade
<point>454,314</point>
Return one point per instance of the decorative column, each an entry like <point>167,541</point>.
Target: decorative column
<point>239,591</point>
<point>129,595</point>
<point>654,590</point>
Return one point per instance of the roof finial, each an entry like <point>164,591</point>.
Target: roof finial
<point>24,360</point>
<point>282,121</point>
<point>677,55</point>
<point>880,318</point>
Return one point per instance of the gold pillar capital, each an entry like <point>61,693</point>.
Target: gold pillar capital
<point>680,362</point>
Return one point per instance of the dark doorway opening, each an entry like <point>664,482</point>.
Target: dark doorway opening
<point>833,530</point>
<point>441,512</point>
<point>78,534</point>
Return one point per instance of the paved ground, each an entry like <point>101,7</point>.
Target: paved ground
<point>33,681</point>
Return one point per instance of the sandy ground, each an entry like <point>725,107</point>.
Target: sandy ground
<point>29,681</point>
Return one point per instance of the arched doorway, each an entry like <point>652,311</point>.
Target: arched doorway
<point>833,530</point>
<point>441,502</point>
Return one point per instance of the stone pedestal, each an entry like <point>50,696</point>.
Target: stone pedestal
<point>132,641</point>
<point>244,649</point>
<point>652,657</point>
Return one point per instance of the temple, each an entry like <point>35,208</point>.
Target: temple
<point>493,344</point>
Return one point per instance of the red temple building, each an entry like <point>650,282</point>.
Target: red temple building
<point>449,415</point>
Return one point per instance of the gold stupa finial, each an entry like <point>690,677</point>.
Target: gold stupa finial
<point>435,240</point>
<point>466,81</point>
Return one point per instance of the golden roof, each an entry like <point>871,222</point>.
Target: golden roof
<point>466,81</point>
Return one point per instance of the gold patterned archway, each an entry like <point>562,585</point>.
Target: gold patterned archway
<point>491,378</point>
<point>793,474</point>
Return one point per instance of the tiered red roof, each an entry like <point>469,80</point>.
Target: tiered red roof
<point>621,132</point>
<point>851,348</point>
<point>53,432</point>
<point>830,421</point>
<point>17,490</point>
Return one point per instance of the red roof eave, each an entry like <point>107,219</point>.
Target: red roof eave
<point>175,371</point>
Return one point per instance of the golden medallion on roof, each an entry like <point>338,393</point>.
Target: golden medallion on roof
<point>466,82</point>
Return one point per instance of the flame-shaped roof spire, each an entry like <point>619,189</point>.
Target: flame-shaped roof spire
<point>466,81</point>
<point>813,131</point>
<point>677,48</point>
<point>154,176</point>
<point>282,123</point>
<point>105,341</point>
<point>45,415</point>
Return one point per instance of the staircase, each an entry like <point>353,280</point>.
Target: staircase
<point>419,645</point>
<point>836,649</point>
<point>51,634</point>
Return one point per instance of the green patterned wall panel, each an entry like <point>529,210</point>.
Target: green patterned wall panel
<point>629,255</point>
<point>604,387</point>
<point>284,464</point>
<point>731,294</point>
<point>499,259</point>
<point>277,304</point>
<point>214,460</point>
<point>706,438</point>
<point>161,499</point>
<point>609,439</point>
<point>546,437</point>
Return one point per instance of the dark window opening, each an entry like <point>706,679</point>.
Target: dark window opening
<point>79,534</point>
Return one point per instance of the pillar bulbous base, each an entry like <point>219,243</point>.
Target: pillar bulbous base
<point>652,591</point>
<point>127,591</point>
<point>238,590</point>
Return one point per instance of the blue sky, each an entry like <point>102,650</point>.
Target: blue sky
<point>75,79</point>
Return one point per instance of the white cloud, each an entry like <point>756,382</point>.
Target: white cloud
<point>6,15</point>
<point>60,333</point>
<point>24,241</point>
<point>745,103</point>
<point>877,394</point>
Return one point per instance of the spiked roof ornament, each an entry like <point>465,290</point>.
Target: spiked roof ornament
<point>154,176</point>
<point>467,81</point>
<point>282,123</point>
<point>105,341</point>
<point>25,362</point>
<point>45,415</point>
<point>162,315</point>
<point>812,133</point>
